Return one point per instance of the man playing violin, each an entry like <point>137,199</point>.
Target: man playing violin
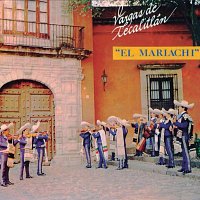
<point>5,139</point>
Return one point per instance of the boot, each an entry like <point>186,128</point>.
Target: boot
<point>113,156</point>
<point>156,153</point>
<point>119,165</point>
<point>125,163</point>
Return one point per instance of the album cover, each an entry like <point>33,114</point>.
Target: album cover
<point>73,68</point>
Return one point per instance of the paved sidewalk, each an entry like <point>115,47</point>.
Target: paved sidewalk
<point>149,166</point>
<point>143,181</point>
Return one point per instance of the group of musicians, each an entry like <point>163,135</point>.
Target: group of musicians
<point>115,127</point>
<point>29,139</point>
<point>159,130</point>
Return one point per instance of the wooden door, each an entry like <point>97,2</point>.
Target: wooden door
<point>25,101</point>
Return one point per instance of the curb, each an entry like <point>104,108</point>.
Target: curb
<point>153,168</point>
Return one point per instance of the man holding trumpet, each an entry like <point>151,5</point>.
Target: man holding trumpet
<point>119,129</point>
<point>99,133</point>
<point>26,146</point>
<point>39,142</point>
<point>86,135</point>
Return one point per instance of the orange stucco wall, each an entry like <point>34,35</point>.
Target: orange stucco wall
<point>87,88</point>
<point>122,92</point>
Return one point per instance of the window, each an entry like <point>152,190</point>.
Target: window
<point>28,17</point>
<point>162,89</point>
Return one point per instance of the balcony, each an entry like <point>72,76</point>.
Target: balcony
<point>42,39</point>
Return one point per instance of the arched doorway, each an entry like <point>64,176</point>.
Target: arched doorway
<point>23,101</point>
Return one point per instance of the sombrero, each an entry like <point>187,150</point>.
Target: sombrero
<point>101,123</point>
<point>86,124</point>
<point>184,104</point>
<point>123,122</point>
<point>35,127</point>
<point>27,125</point>
<point>5,127</point>
<point>112,119</point>
<point>170,111</point>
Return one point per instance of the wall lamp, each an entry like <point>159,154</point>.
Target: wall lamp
<point>104,79</point>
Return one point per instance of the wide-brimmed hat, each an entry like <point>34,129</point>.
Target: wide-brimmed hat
<point>184,104</point>
<point>24,127</point>
<point>85,124</point>
<point>170,111</point>
<point>101,123</point>
<point>136,115</point>
<point>158,112</point>
<point>112,119</point>
<point>35,127</point>
<point>5,127</point>
<point>123,122</point>
<point>151,110</point>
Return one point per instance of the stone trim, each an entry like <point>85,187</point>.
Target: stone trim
<point>163,66</point>
<point>144,73</point>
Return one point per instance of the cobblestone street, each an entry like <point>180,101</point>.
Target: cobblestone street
<point>79,183</point>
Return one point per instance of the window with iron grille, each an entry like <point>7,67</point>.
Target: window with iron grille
<point>162,89</point>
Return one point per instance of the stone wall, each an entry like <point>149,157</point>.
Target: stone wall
<point>63,78</point>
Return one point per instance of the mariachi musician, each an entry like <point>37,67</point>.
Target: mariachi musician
<point>183,124</point>
<point>159,132</point>
<point>26,149</point>
<point>86,135</point>
<point>152,126</point>
<point>168,134</point>
<point>139,127</point>
<point>7,142</point>
<point>40,145</point>
<point>112,139</point>
<point>99,133</point>
<point>118,129</point>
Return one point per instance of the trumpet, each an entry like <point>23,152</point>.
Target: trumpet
<point>28,135</point>
<point>114,126</point>
<point>31,135</point>
<point>85,130</point>
<point>95,129</point>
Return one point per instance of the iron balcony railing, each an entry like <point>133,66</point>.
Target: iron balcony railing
<point>40,35</point>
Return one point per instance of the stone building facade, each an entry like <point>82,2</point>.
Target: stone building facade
<point>40,72</point>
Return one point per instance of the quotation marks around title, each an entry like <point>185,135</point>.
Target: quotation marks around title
<point>156,53</point>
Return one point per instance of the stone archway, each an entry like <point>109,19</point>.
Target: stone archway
<point>63,78</point>
<point>23,101</point>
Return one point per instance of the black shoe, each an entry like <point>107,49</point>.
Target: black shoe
<point>41,174</point>
<point>99,167</point>
<point>187,172</point>
<point>126,166</point>
<point>9,183</point>
<point>21,178</point>
<point>180,170</point>
<point>168,166</point>
<point>29,177</point>
<point>88,166</point>
<point>4,185</point>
